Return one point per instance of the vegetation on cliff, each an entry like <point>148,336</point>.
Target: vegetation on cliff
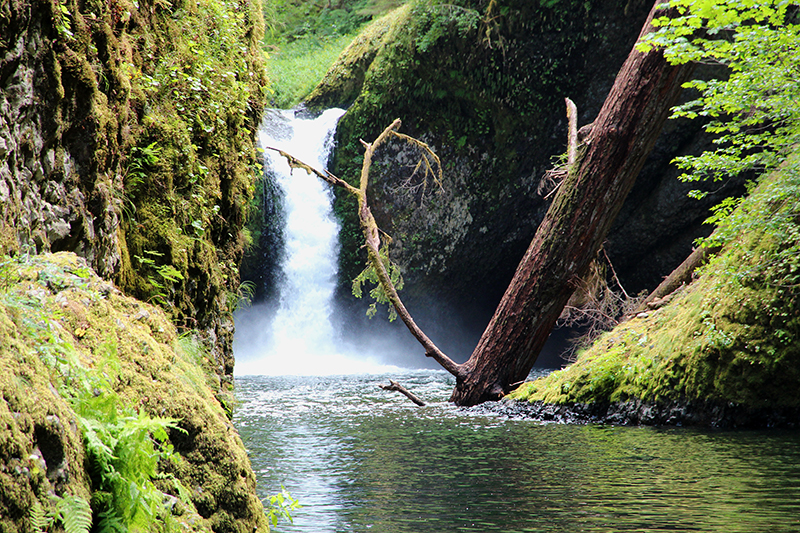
<point>106,404</point>
<point>303,39</point>
<point>127,134</point>
<point>730,337</point>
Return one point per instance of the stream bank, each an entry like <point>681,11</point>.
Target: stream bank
<point>724,349</point>
<point>80,362</point>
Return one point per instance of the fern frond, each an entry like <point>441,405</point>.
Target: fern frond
<point>111,523</point>
<point>40,519</point>
<point>75,514</point>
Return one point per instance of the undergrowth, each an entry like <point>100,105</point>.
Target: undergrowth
<point>297,67</point>
<point>124,444</point>
<point>119,418</point>
<point>305,38</point>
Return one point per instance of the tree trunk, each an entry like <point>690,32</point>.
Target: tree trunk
<point>682,275</point>
<point>575,225</point>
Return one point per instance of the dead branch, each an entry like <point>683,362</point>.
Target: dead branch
<point>677,278</point>
<point>325,175</point>
<point>395,386</point>
<point>554,177</point>
<point>372,236</point>
<point>614,273</point>
<point>572,133</point>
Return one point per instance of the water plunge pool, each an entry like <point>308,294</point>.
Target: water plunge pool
<point>360,459</point>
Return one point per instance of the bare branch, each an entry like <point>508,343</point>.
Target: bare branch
<point>614,273</point>
<point>572,133</point>
<point>427,153</point>
<point>326,176</point>
<point>395,386</point>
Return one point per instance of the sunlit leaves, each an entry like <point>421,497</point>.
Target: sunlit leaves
<point>378,292</point>
<point>754,114</point>
<point>280,506</point>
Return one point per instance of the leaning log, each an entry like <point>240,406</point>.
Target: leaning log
<point>576,224</point>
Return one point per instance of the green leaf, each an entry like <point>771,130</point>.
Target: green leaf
<point>75,514</point>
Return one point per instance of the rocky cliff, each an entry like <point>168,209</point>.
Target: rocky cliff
<point>127,165</point>
<point>483,83</point>
<point>126,136</point>
<point>87,371</point>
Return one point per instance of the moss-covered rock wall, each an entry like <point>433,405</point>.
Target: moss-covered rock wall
<point>80,363</point>
<point>126,136</point>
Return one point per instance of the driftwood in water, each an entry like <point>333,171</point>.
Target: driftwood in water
<point>395,386</point>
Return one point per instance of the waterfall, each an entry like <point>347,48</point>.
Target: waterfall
<point>296,337</point>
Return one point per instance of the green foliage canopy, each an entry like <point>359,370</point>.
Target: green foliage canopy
<point>755,112</point>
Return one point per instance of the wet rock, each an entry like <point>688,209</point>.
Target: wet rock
<point>638,412</point>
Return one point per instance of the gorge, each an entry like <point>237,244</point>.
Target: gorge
<point>136,220</point>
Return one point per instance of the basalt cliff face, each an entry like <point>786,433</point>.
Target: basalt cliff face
<point>484,84</point>
<point>127,164</point>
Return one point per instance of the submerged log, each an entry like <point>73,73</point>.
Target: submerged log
<point>395,386</point>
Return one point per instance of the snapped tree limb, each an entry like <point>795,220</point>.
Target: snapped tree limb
<point>395,386</point>
<point>372,234</point>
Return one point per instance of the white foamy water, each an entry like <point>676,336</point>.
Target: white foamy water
<point>298,338</point>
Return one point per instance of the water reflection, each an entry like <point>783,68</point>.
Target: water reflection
<point>361,459</point>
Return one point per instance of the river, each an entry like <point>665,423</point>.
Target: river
<point>360,459</point>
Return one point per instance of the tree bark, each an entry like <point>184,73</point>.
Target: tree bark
<point>576,224</point>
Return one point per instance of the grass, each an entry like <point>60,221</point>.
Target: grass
<point>296,68</point>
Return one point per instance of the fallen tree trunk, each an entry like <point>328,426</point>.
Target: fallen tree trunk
<point>576,224</point>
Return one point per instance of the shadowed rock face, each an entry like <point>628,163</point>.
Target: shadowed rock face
<point>492,108</point>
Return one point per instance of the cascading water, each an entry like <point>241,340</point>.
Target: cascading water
<point>298,337</point>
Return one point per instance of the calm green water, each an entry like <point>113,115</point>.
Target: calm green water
<point>363,460</point>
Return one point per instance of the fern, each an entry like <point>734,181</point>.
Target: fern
<point>124,448</point>
<point>75,514</point>
<point>40,519</point>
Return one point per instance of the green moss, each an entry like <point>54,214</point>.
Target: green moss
<point>343,81</point>
<point>485,90</point>
<point>183,79</point>
<point>729,337</point>
<point>201,99</point>
<point>58,320</point>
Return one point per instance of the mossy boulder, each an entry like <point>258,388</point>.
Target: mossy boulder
<point>60,324</point>
<point>725,344</point>
<point>483,83</point>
